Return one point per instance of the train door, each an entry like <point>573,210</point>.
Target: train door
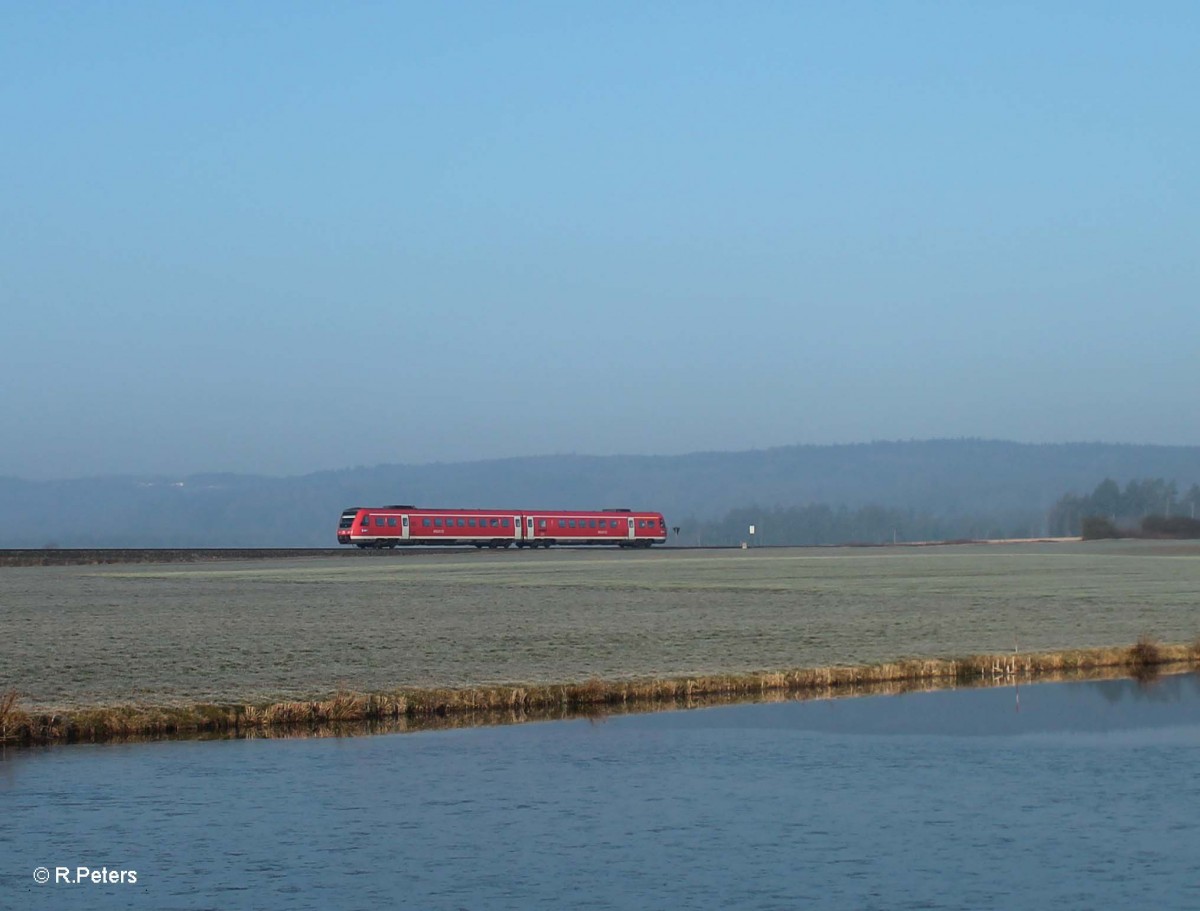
<point>404,528</point>
<point>631,532</point>
<point>529,528</point>
<point>517,526</point>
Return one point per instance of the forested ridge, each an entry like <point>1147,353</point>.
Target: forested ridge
<point>868,493</point>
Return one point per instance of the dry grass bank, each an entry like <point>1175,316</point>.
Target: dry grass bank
<point>346,712</point>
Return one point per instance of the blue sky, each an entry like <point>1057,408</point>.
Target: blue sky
<point>276,238</point>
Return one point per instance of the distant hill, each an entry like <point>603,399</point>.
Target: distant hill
<point>1010,485</point>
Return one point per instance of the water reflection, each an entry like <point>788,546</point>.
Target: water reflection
<point>1085,798</point>
<point>1098,705</point>
<point>1149,682</point>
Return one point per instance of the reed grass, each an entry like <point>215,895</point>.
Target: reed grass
<point>8,713</point>
<point>347,712</point>
<point>1145,653</point>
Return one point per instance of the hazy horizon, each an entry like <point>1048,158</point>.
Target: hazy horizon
<point>285,238</point>
<point>168,477</point>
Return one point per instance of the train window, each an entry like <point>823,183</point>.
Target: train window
<point>462,523</point>
<point>571,523</point>
<point>493,523</point>
<point>641,523</point>
<point>541,523</point>
<point>591,523</point>
<point>404,521</point>
<point>437,523</point>
<point>425,522</point>
<point>379,521</point>
<point>562,523</point>
<point>504,522</point>
<point>471,523</point>
<point>391,521</point>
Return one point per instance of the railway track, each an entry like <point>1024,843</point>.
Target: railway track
<point>70,556</point>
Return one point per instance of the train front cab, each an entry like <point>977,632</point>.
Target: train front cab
<point>644,529</point>
<point>374,528</point>
<point>346,525</point>
<point>647,529</point>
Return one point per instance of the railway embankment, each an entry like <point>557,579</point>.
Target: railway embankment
<point>55,556</point>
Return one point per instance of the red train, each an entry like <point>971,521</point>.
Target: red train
<point>392,526</point>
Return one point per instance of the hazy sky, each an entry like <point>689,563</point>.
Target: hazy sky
<point>277,238</point>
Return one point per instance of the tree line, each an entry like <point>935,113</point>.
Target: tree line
<point>1152,506</point>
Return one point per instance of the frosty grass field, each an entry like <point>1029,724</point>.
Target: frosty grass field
<point>305,628</point>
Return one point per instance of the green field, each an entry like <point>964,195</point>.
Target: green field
<point>294,629</point>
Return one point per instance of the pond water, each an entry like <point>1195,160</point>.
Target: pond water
<point>1072,795</point>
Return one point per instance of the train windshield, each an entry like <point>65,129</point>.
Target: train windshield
<point>347,522</point>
